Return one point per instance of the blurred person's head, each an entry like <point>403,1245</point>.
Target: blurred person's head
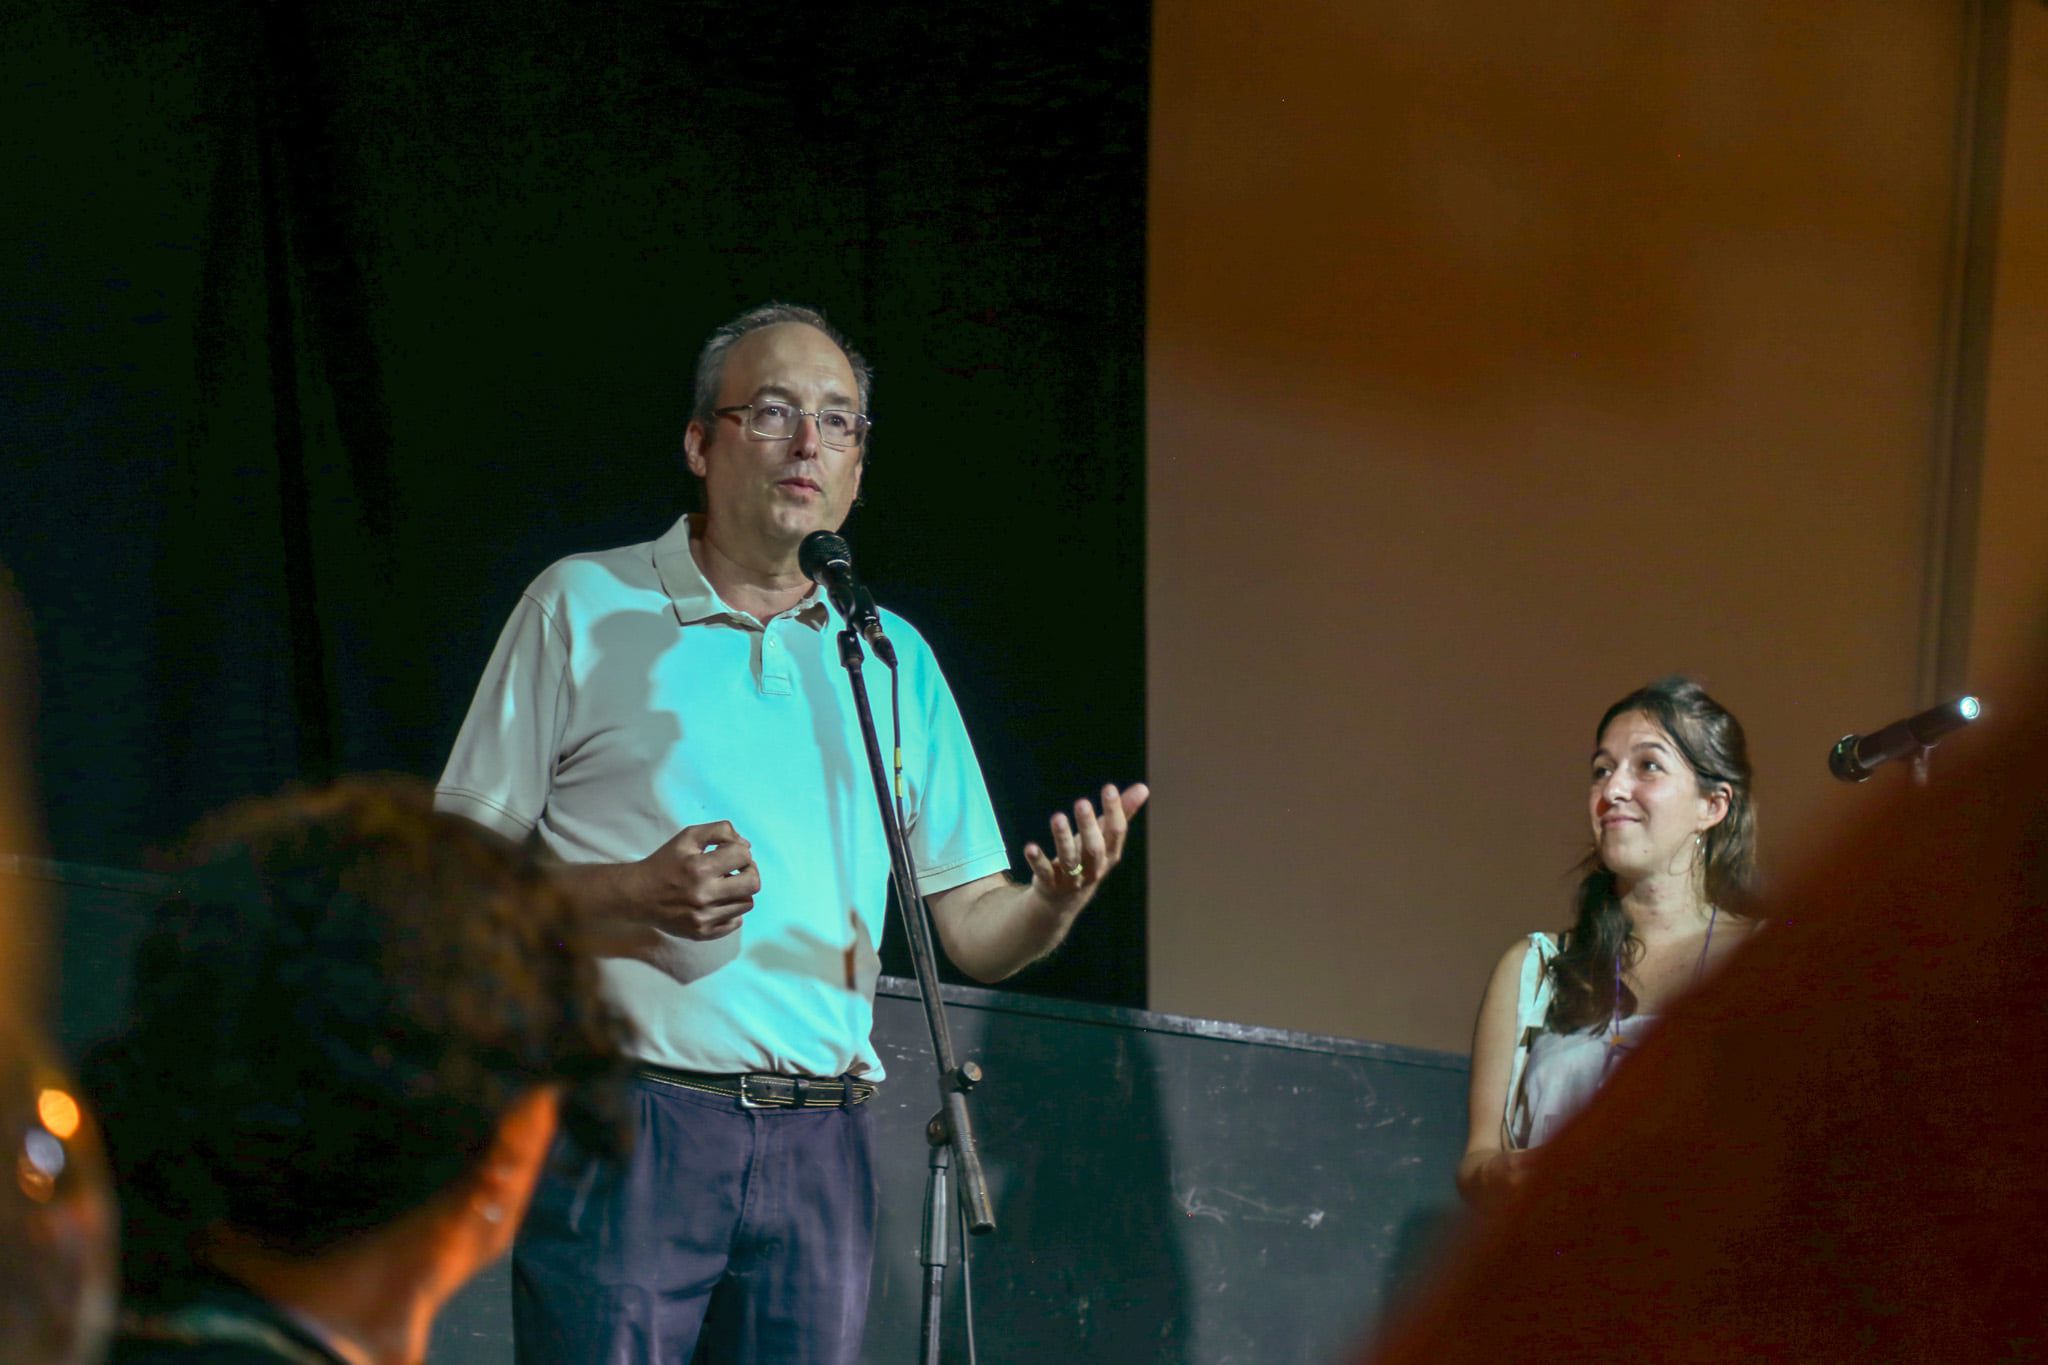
<point>56,1218</point>
<point>351,1038</point>
<point>22,960</point>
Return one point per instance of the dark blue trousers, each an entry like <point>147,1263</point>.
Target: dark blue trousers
<point>731,1235</point>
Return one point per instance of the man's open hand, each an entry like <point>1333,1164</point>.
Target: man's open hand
<point>1087,848</point>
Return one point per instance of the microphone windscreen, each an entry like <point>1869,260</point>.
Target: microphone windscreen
<point>820,549</point>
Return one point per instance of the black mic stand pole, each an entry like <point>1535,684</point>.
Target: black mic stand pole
<point>950,1132</point>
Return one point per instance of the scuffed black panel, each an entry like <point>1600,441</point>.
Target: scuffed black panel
<point>1169,1189</point>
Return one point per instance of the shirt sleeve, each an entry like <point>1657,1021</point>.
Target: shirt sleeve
<point>953,833</point>
<point>503,763</point>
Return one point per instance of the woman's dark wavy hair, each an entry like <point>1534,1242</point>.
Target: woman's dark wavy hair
<point>330,1021</point>
<point>1711,742</point>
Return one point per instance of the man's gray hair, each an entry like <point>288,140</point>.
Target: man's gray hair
<point>711,360</point>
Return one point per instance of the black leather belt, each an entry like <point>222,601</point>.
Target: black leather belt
<point>763,1090</point>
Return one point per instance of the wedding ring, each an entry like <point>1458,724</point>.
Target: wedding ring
<point>1074,871</point>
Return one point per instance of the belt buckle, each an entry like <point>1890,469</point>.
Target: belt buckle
<point>747,1101</point>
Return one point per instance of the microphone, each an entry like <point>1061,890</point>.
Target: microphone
<point>827,560</point>
<point>1854,756</point>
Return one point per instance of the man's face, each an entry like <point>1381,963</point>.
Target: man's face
<point>773,493</point>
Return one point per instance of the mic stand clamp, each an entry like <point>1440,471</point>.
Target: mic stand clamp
<point>950,1132</point>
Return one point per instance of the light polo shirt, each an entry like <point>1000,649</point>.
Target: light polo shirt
<point>626,701</point>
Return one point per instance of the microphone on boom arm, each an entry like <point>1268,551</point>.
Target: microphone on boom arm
<point>827,560</point>
<point>1854,756</point>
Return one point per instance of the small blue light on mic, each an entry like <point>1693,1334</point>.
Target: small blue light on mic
<point>1969,708</point>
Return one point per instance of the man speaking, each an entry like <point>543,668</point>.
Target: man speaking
<point>671,721</point>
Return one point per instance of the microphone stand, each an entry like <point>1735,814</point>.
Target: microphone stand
<point>949,1132</point>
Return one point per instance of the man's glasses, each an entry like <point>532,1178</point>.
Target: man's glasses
<point>774,420</point>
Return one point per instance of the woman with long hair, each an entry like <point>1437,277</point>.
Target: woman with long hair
<point>1663,901</point>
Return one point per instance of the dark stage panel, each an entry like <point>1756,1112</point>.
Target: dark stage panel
<point>1166,1189</point>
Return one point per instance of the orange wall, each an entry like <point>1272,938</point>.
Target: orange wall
<point>2009,619</point>
<point>1501,358</point>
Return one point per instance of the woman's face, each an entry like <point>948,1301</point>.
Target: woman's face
<point>1646,803</point>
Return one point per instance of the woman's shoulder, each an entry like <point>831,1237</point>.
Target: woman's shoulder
<point>1520,948</point>
<point>1533,947</point>
<point>1542,942</point>
<point>1732,931</point>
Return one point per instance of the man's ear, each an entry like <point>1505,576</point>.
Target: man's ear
<point>694,446</point>
<point>503,1182</point>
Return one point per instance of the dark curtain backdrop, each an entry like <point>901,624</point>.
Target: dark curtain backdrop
<point>333,322</point>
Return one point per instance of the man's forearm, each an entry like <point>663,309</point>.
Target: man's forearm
<point>606,891</point>
<point>1003,928</point>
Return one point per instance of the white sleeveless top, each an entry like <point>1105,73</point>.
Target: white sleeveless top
<point>1555,1075</point>
<point>1563,1073</point>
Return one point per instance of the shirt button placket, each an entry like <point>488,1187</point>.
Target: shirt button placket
<point>775,679</point>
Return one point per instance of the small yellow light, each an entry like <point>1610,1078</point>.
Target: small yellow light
<point>59,1113</point>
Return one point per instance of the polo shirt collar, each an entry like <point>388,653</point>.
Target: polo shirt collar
<point>696,601</point>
